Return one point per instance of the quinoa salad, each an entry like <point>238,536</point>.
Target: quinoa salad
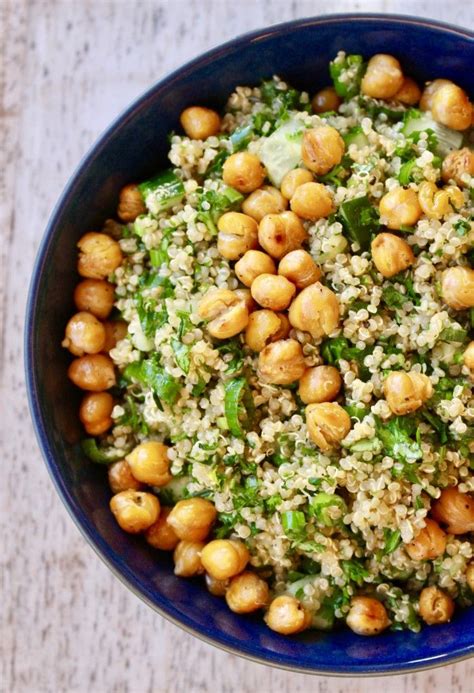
<point>274,340</point>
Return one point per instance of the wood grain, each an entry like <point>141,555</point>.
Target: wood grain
<point>66,69</point>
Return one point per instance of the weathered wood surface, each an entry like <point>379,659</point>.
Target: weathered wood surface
<point>67,624</point>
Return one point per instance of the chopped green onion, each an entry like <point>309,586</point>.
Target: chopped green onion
<point>238,404</point>
<point>100,455</point>
<point>294,524</point>
<point>347,74</point>
<point>320,505</point>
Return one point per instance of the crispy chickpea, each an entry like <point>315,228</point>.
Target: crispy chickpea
<point>457,287</point>
<point>325,100</point>
<point>224,558</point>
<point>391,254</point>
<point>272,291</point>
<point>450,106</point>
<point>226,312</point>
<point>161,535</point>
<point>287,615</point>
<point>458,166</point>
<point>243,171</point>
<point>95,411</point>
<point>328,423</point>
<point>281,362</point>
<point>320,384</point>
<point>265,326</point>
<point>468,357</point>
<point>192,518</point>
<point>278,234</point>
<point>429,543</point>
<point>131,203</point>
<point>367,616</point>
<point>406,392</point>
<point>99,255</point>
<point>455,510</point>
<point>135,511</point>
<point>94,372</point>
<point>322,149</point>
<point>470,576</point>
<point>300,268</point>
<point>383,77</point>
<point>400,207</point>
<point>312,201</point>
<point>409,93</point>
<point>121,477</point>
<point>217,587</point>
<point>84,334</point>
<point>237,234</point>
<point>293,179</point>
<point>187,558</point>
<point>266,200</point>
<point>245,296</point>
<point>429,91</point>
<point>436,203</point>
<point>115,331</point>
<point>246,593</point>
<point>435,606</point>
<point>199,123</point>
<point>252,264</point>
<point>95,296</point>
<point>315,310</point>
<point>149,463</point>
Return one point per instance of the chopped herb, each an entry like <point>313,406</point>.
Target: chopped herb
<point>150,318</point>
<point>347,75</point>
<point>212,205</point>
<point>355,571</point>
<point>462,227</point>
<point>294,524</point>
<point>320,507</point>
<point>181,355</point>
<point>150,373</point>
<point>392,539</point>
<point>238,406</point>
<point>360,220</point>
<point>100,455</point>
<point>397,438</point>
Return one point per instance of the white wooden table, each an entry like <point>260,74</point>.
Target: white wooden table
<point>66,69</point>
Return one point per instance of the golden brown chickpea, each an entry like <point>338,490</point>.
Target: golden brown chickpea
<point>115,331</point>
<point>99,255</point>
<point>457,166</point>
<point>367,616</point>
<point>252,264</point>
<point>243,171</point>
<point>192,518</point>
<point>450,106</point>
<point>315,310</point>
<point>293,179</point>
<point>325,100</point>
<point>429,543</point>
<point>94,372</point>
<point>187,558</point>
<point>278,234</point>
<point>406,392</point>
<point>266,200</point>
<point>322,149</point>
<point>217,587</point>
<point>245,296</point>
<point>436,203</point>
<point>287,615</point>
<point>199,123</point>
<point>237,234</point>
<point>328,423</point>
<point>161,535</point>
<point>226,312</point>
<point>470,576</point>
<point>383,77</point>
<point>400,207</point>
<point>135,511</point>
<point>246,593</point>
<point>468,356</point>
<point>281,362</point>
<point>95,296</point>
<point>428,92</point>
<point>435,606</point>
<point>391,254</point>
<point>457,287</point>
<point>149,463</point>
<point>272,291</point>
<point>265,326</point>
<point>121,477</point>
<point>300,268</point>
<point>455,510</point>
<point>320,384</point>
<point>95,411</point>
<point>84,334</point>
<point>409,93</point>
<point>312,201</point>
<point>224,558</point>
<point>131,203</point>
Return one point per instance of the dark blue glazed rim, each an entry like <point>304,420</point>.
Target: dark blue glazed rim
<point>53,404</point>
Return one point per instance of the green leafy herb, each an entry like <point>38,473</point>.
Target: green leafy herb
<point>181,355</point>
<point>294,524</point>
<point>462,227</point>
<point>397,436</point>
<point>132,416</point>
<point>238,406</point>
<point>234,347</point>
<point>392,539</point>
<point>454,334</point>
<point>150,373</point>
<point>360,220</point>
<point>355,571</point>
<point>212,205</point>
<point>150,318</point>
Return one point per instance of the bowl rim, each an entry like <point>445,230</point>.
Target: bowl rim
<point>88,531</point>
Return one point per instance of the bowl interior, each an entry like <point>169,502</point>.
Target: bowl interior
<point>134,147</point>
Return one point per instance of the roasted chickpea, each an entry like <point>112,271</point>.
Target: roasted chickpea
<point>94,372</point>
<point>278,234</point>
<point>315,310</point>
<point>224,558</point>
<point>322,149</point>
<point>192,518</point>
<point>243,171</point>
<point>468,356</point>
<point>245,296</point>
<point>383,77</point>
<point>115,331</point>
<point>300,268</point>
<point>217,587</point>
<point>266,200</point>
<point>272,291</point>
<point>281,362</point>
<point>400,207</point>
<point>391,254</point>
<point>450,106</point>
<point>246,593</point>
<point>429,91</point>
<point>429,543</point>
<point>237,234</point>
<point>149,463</point>
<point>470,576</point>
<point>328,423</point>
<point>409,93</point>
<point>95,296</point>
<point>131,203</point>
<point>312,201</point>
<point>435,606</point>
<point>252,264</point>
<point>121,477</point>
<point>293,179</point>
<point>226,312</point>
<point>458,166</point>
<point>457,287</point>
<point>436,203</point>
<point>135,511</point>
<point>99,255</point>
<point>199,122</point>
<point>187,558</point>
<point>161,535</point>
<point>455,510</point>
<point>367,616</point>
<point>287,615</point>
<point>320,384</point>
<point>325,100</point>
<point>84,334</point>
<point>265,326</point>
<point>95,411</point>
<point>406,392</point>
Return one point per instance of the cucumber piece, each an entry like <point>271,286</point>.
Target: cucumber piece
<point>162,192</point>
<point>447,139</point>
<point>281,152</point>
<point>356,136</point>
<point>173,491</point>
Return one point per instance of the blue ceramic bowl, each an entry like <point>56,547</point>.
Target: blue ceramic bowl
<point>132,148</point>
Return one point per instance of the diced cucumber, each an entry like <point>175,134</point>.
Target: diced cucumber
<point>418,121</point>
<point>296,589</point>
<point>356,136</point>
<point>162,192</point>
<point>173,491</point>
<point>281,152</point>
